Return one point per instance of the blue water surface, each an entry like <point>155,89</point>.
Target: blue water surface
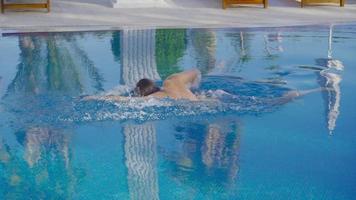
<point>246,139</point>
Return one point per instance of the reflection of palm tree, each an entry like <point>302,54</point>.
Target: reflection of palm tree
<point>93,72</point>
<point>28,77</point>
<point>4,152</point>
<point>204,43</point>
<point>330,78</point>
<point>38,138</point>
<point>45,172</point>
<point>141,158</point>
<point>115,45</point>
<point>209,152</point>
<point>52,62</point>
<point>170,47</point>
<point>138,56</point>
<point>218,151</point>
<point>57,69</point>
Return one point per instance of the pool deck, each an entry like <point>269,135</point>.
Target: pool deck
<point>67,15</point>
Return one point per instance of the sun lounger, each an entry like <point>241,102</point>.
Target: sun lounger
<point>305,2</point>
<point>12,5</point>
<point>227,3</point>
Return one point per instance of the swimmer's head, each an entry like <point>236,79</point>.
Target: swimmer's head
<point>145,87</point>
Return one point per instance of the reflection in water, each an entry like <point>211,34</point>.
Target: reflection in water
<point>115,45</point>
<point>43,169</point>
<point>54,63</point>
<point>141,159</point>
<point>273,45</point>
<point>241,43</point>
<point>150,54</point>
<point>39,137</point>
<point>219,151</point>
<point>207,155</point>
<point>44,172</point>
<point>138,56</point>
<point>170,47</point>
<point>330,79</point>
<point>204,45</point>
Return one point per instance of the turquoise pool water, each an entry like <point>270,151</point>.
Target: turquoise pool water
<point>249,143</point>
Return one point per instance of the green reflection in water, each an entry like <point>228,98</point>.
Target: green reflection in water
<point>115,45</point>
<point>170,47</point>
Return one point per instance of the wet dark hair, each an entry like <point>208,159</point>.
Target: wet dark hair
<point>145,87</point>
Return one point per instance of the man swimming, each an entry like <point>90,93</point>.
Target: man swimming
<point>176,86</point>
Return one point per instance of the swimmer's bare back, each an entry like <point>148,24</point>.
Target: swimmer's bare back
<point>176,86</point>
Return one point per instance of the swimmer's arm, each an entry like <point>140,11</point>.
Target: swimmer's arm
<point>186,78</point>
<point>294,94</point>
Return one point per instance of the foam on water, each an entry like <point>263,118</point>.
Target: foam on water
<point>230,98</point>
<point>217,94</point>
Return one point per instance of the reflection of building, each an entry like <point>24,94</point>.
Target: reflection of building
<point>152,54</point>
<point>138,61</point>
<point>138,56</point>
<point>330,79</point>
<point>141,159</point>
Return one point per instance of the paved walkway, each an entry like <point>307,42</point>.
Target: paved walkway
<point>99,15</point>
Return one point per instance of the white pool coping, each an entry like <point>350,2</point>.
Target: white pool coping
<point>84,15</point>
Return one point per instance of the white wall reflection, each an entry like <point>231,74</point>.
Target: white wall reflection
<point>141,161</point>
<point>138,56</point>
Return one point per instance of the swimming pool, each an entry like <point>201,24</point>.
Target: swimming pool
<point>244,146</point>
